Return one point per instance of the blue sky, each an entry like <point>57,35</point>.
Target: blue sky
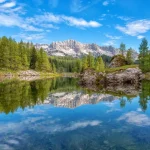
<point>104,22</point>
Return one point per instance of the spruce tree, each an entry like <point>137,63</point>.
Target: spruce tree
<point>129,58</point>
<point>33,58</point>
<point>100,66</point>
<point>144,56</point>
<point>122,48</point>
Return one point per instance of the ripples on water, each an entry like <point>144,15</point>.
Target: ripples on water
<point>59,115</point>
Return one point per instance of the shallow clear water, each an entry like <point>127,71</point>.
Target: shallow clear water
<point>59,115</point>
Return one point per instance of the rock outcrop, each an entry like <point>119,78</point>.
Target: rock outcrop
<point>127,81</point>
<point>129,76</point>
<point>118,61</point>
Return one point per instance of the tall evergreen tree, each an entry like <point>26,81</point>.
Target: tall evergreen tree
<point>144,62</point>
<point>122,48</point>
<point>90,61</point>
<point>33,58</point>
<point>100,66</point>
<point>129,56</point>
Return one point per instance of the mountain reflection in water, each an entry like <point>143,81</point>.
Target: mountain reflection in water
<point>36,115</point>
<point>61,92</point>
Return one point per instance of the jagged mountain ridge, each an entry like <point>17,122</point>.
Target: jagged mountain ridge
<point>78,49</point>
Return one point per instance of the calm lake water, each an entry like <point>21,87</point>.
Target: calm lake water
<point>57,114</point>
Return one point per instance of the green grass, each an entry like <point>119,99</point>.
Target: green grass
<point>111,70</point>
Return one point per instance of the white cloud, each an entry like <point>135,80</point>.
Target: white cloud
<point>113,37</point>
<point>2,1</point>
<point>135,28</point>
<point>8,5</point>
<point>30,37</point>
<point>105,3</point>
<point>135,118</point>
<point>15,20</point>
<point>109,43</point>
<point>77,125</point>
<point>124,18</point>
<point>79,22</point>
<point>140,37</point>
<point>69,20</point>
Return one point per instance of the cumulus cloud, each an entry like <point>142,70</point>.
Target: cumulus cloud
<point>8,5</point>
<point>135,28</point>
<point>135,118</point>
<point>79,22</point>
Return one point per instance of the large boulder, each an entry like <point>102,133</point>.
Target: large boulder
<point>129,76</point>
<point>118,61</point>
<point>91,77</point>
<point>132,76</point>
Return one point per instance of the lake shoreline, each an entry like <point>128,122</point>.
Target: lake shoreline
<point>28,75</point>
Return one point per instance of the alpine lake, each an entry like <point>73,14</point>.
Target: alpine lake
<point>58,114</point>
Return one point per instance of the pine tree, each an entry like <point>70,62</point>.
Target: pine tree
<point>100,66</point>
<point>144,63</point>
<point>122,48</point>
<point>85,62</point>
<point>90,61</point>
<point>4,53</point>
<point>33,58</point>
<point>43,63</point>
<point>129,58</point>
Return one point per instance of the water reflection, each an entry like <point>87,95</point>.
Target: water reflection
<point>42,118</point>
<point>62,92</point>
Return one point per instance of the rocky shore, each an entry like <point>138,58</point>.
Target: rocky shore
<point>27,75</point>
<point>127,81</point>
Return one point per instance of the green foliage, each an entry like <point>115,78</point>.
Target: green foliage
<point>129,58</point>
<point>90,59</point>
<point>22,56</point>
<point>106,59</point>
<point>16,94</point>
<point>144,57</point>
<point>118,60</point>
<point>100,67</point>
<point>65,64</point>
<point>42,62</point>
<point>111,70</point>
<point>122,48</point>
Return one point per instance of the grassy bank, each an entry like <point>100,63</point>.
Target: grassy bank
<point>111,70</point>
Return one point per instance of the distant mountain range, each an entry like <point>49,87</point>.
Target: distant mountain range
<point>77,49</point>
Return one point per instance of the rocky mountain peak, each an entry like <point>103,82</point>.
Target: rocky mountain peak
<point>77,49</point>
